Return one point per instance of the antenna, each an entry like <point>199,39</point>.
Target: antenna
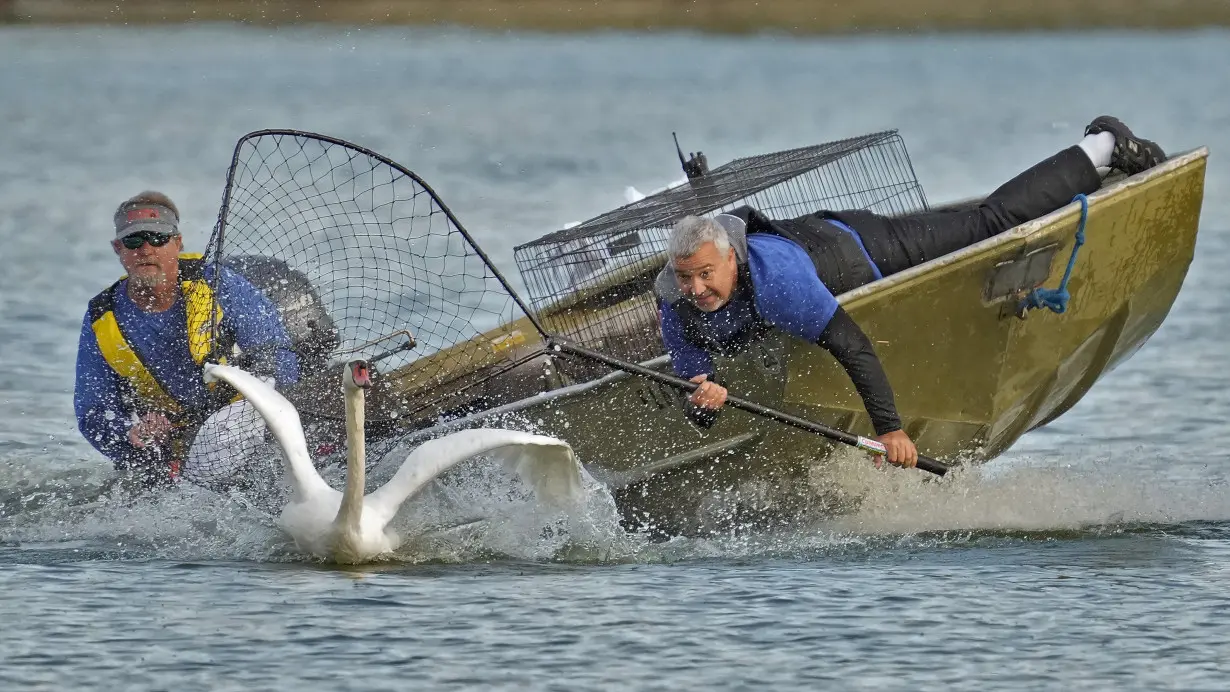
<point>697,166</point>
<point>679,151</point>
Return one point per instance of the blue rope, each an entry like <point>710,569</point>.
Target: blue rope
<point>1056,299</point>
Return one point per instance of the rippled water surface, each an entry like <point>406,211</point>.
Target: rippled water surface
<point>1095,554</point>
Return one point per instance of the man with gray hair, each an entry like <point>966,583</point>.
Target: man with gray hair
<point>732,278</point>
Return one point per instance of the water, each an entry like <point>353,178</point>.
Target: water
<point>1094,554</point>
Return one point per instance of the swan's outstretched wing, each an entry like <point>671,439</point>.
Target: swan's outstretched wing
<point>545,463</point>
<point>282,418</point>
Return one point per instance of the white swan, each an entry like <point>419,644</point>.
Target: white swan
<point>349,527</point>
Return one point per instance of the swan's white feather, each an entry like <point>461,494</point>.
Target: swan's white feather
<point>283,420</point>
<point>547,464</point>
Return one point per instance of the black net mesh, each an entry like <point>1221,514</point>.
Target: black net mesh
<point>361,260</point>
<point>593,282</point>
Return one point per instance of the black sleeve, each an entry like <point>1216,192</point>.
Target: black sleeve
<point>851,347</point>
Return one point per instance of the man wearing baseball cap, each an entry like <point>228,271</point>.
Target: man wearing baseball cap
<point>140,397</point>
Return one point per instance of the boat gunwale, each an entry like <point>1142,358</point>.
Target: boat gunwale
<point>1025,230</point>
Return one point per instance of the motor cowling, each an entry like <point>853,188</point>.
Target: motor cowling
<point>313,333</point>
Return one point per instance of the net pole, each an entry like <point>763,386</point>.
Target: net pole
<point>925,463</point>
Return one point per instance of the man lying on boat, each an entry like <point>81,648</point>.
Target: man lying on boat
<point>140,398</point>
<point>732,278</point>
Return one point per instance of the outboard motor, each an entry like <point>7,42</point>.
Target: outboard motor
<point>313,334</point>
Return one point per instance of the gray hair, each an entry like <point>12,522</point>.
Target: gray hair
<point>693,231</point>
<point>146,198</point>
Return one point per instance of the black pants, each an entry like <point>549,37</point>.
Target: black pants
<point>897,243</point>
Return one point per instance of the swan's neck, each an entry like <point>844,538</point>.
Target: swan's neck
<point>351,511</point>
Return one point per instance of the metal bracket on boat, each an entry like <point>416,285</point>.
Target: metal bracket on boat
<point>1056,299</point>
<point>657,396</point>
<point>1012,279</point>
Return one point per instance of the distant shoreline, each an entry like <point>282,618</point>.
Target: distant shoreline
<point>716,16</point>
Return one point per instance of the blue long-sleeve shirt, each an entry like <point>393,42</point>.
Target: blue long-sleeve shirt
<point>161,341</point>
<point>788,295</point>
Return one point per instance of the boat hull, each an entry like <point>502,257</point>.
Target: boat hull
<point>971,371</point>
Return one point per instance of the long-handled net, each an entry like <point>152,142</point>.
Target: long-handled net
<point>361,260</point>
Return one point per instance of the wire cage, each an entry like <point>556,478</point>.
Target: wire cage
<point>593,282</point>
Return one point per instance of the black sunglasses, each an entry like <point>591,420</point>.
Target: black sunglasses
<point>136,240</point>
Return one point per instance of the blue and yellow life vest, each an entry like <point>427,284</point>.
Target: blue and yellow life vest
<point>123,359</point>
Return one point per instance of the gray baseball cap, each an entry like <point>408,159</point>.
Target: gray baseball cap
<point>153,218</point>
